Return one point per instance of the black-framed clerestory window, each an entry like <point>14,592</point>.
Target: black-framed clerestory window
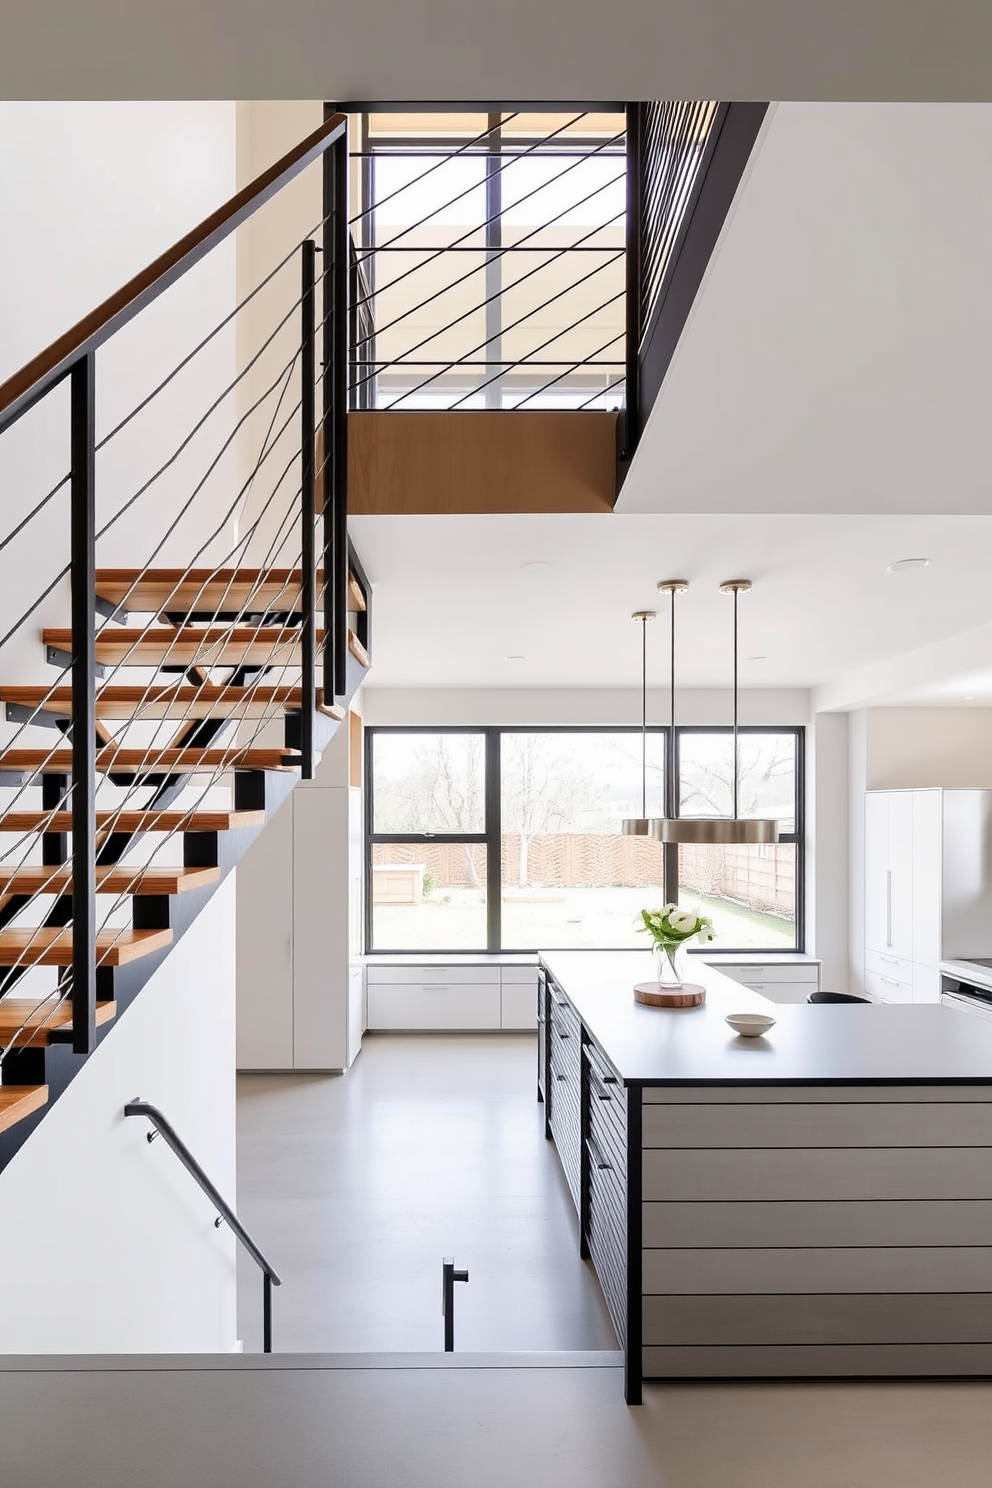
<point>509,839</point>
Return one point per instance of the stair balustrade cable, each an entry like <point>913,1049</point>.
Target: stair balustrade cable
<point>173,754</point>
<point>48,1003</point>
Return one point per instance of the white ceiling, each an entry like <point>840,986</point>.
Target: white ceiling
<point>836,363</point>
<point>518,49</point>
<point>823,611</point>
<point>837,357</point>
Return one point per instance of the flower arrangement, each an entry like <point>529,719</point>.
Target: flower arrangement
<point>669,929</point>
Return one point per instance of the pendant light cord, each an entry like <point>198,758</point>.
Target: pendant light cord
<point>644,718</point>
<point>736,754</point>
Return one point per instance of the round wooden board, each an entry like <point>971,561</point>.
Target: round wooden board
<point>690,994</point>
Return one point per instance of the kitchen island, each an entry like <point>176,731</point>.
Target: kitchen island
<point>814,1203</point>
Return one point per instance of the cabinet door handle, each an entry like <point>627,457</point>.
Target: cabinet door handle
<point>891,980</point>
<point>890,960</point>
<point>888,907</point>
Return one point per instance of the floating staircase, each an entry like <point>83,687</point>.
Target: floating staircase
<point>205,630</point>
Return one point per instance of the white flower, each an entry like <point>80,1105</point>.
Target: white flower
<point>706,937</point>
<point>682,920</point>
<point>655,920</point>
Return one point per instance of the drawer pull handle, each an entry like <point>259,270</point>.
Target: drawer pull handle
<point>891,980</point>
<point>435,986</point>
<point>562,1035</point>
<point>603,1095</point>
<point>561,1077</point>
<point>560,1002</point>
<point>890,960</point>
<point>599,1161</point>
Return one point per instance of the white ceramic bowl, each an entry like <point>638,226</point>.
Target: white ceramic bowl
<point>750,1025</point>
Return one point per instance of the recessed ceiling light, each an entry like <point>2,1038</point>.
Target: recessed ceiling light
<point>535,565</point>
<point>969,697</point>
<point>756,658</point>
<point>907,565</point>
<point>514,658</point>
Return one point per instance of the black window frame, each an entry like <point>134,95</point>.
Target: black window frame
<point>491,837</point>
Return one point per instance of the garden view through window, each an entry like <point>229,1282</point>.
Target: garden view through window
<point>510,839</point>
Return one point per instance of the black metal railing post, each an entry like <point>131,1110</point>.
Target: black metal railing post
<point>308,591</point>
<point>340,277</point>
<point>632,393</point>
<point>266,1313</point>
<point>82,528</point>
<point>448,1278</point>
<point>327,420</point>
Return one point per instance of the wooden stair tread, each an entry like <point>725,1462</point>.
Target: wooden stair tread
<point>357,650</point>
<point>180,703</point>
<point>356,599</point>
<point>39,1020</point>
<point>135,821</point>
<point>174,589</point>
<point>111,878</point>
<point>152,761</point>
<point>18,1101</point>
<point>51,945</point>
<point>189,645</point>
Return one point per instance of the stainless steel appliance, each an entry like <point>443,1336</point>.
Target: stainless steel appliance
<point>968,985</point>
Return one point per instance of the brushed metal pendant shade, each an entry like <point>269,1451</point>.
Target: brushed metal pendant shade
<point>643,825</point>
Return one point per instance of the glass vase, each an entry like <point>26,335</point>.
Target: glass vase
<point>669,961</point>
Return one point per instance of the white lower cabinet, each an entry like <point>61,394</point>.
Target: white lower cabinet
<point>779,981</point>
<point>901,981</point>
<point>451,998</point>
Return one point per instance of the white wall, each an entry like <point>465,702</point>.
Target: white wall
<point>910,747</point>
<point>828,847</point>
<point>548,706</point>
<point>90,193</point>
<point>106,1244</point>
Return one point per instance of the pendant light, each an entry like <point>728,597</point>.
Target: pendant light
<point>716,830</point>
<point>641,826</point>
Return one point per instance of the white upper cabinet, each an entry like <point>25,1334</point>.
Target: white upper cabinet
<point>877,885</point>
<point>900,882</point>
<point>928,887</point>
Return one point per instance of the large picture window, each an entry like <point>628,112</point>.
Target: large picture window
<point>510,839</point>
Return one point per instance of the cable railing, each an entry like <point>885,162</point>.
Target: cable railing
<point>493,276</point>
<point>254,626</point>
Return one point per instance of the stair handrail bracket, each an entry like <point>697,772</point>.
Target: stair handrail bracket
<point>162,1126</point>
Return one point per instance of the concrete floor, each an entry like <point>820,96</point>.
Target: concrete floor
<point>357,1186</point>
<point>313,1423</point>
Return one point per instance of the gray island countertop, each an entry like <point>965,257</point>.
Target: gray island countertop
<point>852,1044</point>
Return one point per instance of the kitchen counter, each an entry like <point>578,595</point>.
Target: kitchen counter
<point>830,1044</point>
<point>816,1203</point>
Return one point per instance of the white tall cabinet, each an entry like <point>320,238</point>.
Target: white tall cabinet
<point>928,887</point>
<point>301,992</point>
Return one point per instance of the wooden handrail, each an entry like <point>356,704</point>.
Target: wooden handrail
<point>39,375</point>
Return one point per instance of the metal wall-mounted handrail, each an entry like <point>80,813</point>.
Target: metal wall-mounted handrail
<point>164,1128</point>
